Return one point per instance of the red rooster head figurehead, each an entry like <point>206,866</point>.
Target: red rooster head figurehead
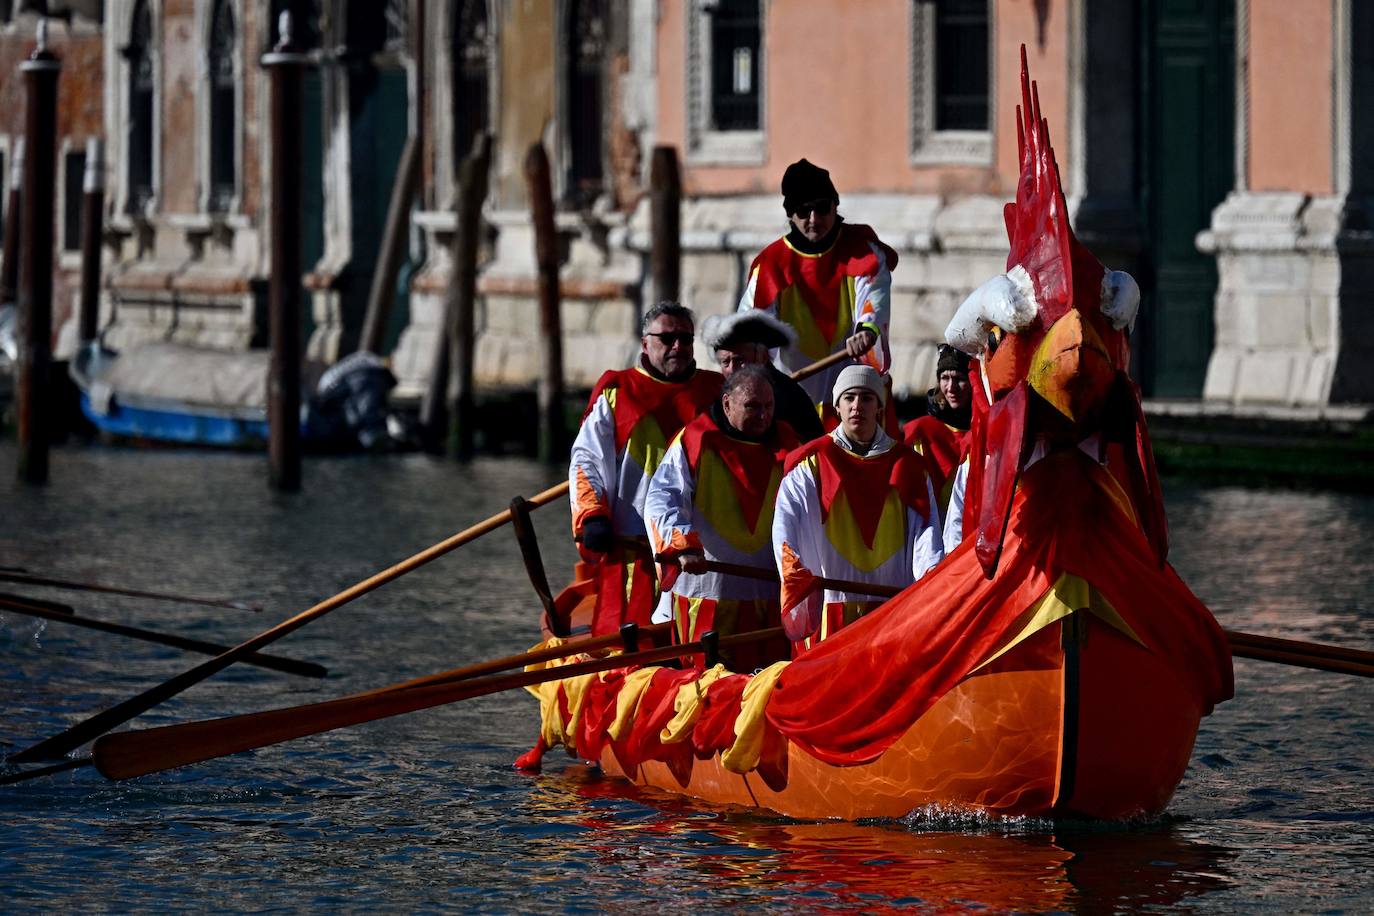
<point>1051,339</point>
<point>1057,318</point>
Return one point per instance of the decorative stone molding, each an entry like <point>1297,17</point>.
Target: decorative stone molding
<point>1292,316</point>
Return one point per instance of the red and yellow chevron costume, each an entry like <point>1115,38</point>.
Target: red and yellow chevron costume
<point>630,419</point>
<point>840,515</point>
<point>714,493</point>
<point>826,298</point>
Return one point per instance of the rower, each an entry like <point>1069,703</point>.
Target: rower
<point>746,339</point>
<point>632,415</point>
<point>829,279</point>
<point>942,434</point>
<point>711,499</point>
<point>853,505</point>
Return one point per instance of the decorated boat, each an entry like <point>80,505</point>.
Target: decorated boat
<point>1053,664</point>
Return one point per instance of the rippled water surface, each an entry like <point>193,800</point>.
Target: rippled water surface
<point>424,812</point>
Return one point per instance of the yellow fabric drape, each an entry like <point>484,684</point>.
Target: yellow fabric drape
<point>627,701</point>
<point>687,705</point>
<point>750,724</point>
<point>1068,594</point>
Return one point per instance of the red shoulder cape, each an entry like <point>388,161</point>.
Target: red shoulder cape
<point>750,463</point>
<point>865,481</point>
<point>817,278</point>
<point>944,447</point>
<point>672,404</point>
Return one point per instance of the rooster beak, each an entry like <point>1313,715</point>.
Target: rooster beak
<point>1072,369</point>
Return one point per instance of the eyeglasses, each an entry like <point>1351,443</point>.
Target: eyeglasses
<point>668,338</point>
<point>818,207</point>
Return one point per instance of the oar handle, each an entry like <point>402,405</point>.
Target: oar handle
<point>820,365</point>
<point>834,585</point>
<point>125,755</point>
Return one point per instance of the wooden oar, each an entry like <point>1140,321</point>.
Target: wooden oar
<point>1300,659</point>
<point>28,579</point>
<point>136,753</point>
<point>1295,646</point>
<point>67,615</point>
<point>1302,654</point>
<point>573,647</point>
<point>100,723</point>
<point>528,543</point>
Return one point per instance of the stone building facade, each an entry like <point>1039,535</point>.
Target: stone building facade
<point>1218,149</point>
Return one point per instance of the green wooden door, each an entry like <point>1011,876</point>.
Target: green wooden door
<point>1187,167</point>
<point>379,102</point>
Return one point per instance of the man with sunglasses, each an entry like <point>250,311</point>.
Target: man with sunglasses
<point>830,280</point>
<point>632,416</point>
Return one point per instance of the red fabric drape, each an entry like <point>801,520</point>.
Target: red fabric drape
<point>849,698</point>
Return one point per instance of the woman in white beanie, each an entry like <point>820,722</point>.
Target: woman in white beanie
<point>853,505</point>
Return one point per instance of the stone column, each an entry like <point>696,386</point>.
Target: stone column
<point>1294,322</point>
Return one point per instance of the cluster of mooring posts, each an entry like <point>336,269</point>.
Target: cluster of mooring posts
<point>448,413</point>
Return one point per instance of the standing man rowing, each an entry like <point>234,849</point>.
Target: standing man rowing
<point>830,280</point>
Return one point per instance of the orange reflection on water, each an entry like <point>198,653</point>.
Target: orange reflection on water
<point>952,862</point>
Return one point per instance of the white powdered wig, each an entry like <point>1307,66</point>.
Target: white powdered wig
<point>1006,301</point>
<point>1120,299</point>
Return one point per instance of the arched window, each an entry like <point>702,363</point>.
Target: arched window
<point>586,64</point>
<point>223,107</point>
<point>142,84</point>
<point>471,57</point>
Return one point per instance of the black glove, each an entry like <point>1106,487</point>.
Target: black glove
<point>597,534</point>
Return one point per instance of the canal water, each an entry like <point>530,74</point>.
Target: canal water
<point>425,813</point>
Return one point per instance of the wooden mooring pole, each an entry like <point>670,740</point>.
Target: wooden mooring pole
<point>665,224</point>
<point>552,432</point>
<point>33,393</point>
<point>92,224</point>
<point>460,303</point>
<point>382,295</point>
<point>284,65</point>
<point>9,271</point>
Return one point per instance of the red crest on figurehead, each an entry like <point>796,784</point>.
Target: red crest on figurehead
<point>1064,273</point>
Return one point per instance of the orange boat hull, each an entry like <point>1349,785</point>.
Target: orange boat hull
<point>1076,720</point>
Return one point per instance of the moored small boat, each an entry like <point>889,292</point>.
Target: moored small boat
<point>163,392</point>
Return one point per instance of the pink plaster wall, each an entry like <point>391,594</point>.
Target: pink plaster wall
<point>837,84</point>
<point>1290,96</point>
<point>1016,25</point>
